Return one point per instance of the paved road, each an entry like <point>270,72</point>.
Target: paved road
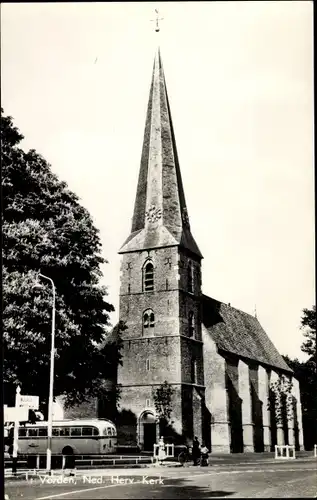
<point>262,480</point>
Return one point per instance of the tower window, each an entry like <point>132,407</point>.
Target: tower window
<point>147,364</point>
<point>193,374</point>
<point>191,324</point>
<point>147,403</point>
<point>148,319</point>
<point>190,280</point>
<point>199,276</point>
<point>148,277</point>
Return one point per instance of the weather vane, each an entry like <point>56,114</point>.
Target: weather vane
<point>157,28</point>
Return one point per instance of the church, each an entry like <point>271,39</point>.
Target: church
<point>218,360</point>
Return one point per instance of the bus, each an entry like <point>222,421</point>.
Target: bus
<point>69,437</point>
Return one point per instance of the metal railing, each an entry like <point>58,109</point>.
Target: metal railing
<point>38,462</point>
<point>285,451</point>
<point>168,448</point>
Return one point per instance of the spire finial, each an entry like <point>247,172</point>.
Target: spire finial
<point>255,314</point>
<point>157,19</point>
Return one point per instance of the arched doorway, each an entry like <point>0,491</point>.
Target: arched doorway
<point>147,430</point>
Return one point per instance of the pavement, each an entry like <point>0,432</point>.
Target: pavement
<point>245,478</point>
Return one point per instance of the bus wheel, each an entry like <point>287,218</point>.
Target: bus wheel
<point>69,457</point>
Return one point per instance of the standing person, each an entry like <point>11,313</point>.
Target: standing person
<point>161,453</point>
<point>196,451</point>
<point>204,456</point>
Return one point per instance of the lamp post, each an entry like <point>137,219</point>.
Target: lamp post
<point>51,386</point>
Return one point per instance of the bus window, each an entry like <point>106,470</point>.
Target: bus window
<point>55,431</point>
<point>33,432</point>
<point>95,431</point>
<point>75,431</point>
<point>22,432</point>
<point>43,431</point>
<point>64,431</point>
<point>87,431</point>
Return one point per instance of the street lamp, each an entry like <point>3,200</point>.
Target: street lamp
<point>51,387</point>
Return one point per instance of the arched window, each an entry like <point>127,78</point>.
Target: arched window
<point>148,277</point>
<point>191,324</point>
<point>148,319</point>
<point>190,280</point>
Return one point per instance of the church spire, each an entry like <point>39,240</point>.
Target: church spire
<point>160,214</point>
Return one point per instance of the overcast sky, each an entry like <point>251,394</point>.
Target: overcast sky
<point>76,78</point>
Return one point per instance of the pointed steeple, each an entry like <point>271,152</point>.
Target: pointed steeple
<point>160,214</point>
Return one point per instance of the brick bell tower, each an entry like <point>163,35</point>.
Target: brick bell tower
<point>160,290</point>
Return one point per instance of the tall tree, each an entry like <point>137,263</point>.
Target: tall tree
<point>308,324</point>
<point>305,373</point>
<point>45,229</point>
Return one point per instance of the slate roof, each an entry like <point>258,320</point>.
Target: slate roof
<point>239,333</point>
<point>160,214</point>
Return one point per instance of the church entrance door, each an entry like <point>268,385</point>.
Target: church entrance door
<point>147,430</point>
<point>149,436</point>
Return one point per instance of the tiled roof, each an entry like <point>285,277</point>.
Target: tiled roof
<point>239,333</point>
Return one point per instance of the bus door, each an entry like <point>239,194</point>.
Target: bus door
<point>33,443</point>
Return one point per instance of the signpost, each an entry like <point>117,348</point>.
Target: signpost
<point>19,413</point>
<point>9,414</point>
<point>16,431</point>
<point>29,402</point>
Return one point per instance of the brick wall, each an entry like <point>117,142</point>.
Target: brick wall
<point>170,304</point>
<point>192,350</point>
<point>165,262</point>
<point>184,261</point>
<point>135,399</point>
<point>164,357</point>
<point>163,300</point>
<point>189,303</point>
<point>169,355</point>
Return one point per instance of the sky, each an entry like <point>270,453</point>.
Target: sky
<point>76,80</point>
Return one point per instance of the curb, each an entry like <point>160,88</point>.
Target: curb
<point>21,475</point>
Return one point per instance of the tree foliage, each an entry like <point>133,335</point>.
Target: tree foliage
<point>47,230</point>
<point>308,324</point>
<point>282,400</point>
<point>162,397</point>
<point>305,372</point>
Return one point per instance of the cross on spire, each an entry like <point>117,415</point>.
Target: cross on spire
<point>157,19</point>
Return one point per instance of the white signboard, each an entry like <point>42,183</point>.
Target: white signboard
<point>29,402</point>
<point>10,414</point>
